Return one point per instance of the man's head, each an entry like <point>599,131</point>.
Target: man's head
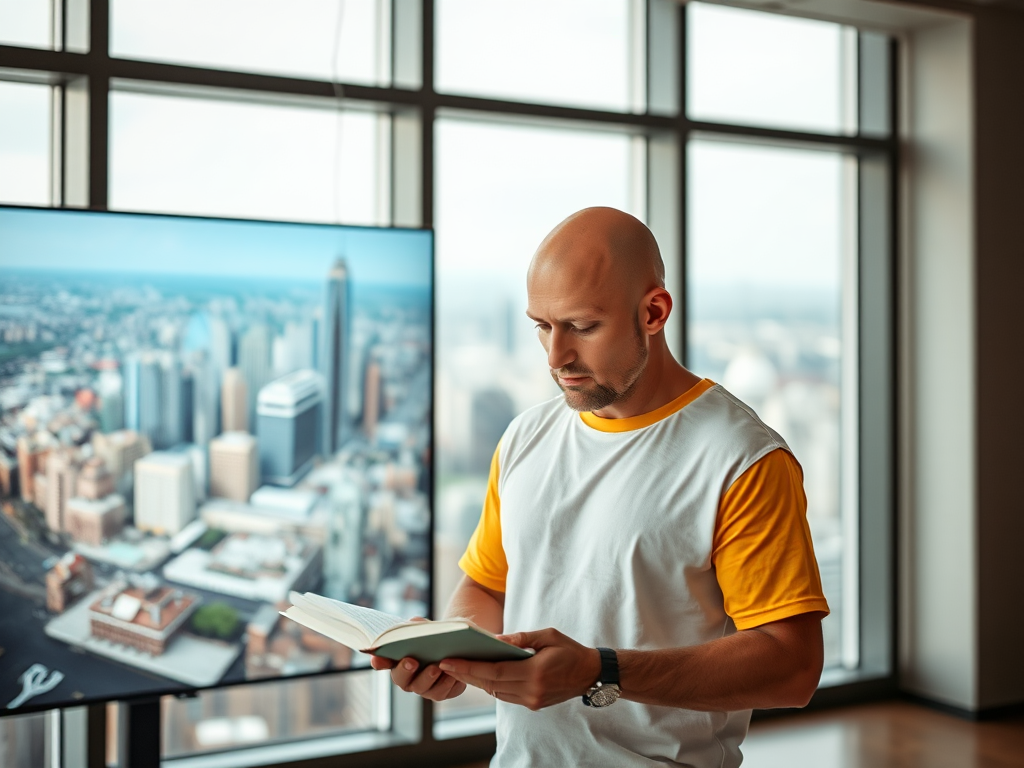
<point>596,289</point>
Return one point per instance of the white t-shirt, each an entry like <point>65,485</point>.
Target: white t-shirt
<point>609,530</point>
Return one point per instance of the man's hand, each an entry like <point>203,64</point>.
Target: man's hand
<point>429,682</point>
<point>562,669</point>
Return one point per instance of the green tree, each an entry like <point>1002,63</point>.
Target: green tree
<point>218,620</point>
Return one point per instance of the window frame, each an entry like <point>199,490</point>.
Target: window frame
<point>83,74</point>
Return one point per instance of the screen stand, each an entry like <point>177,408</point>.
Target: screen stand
<point>138,734</point>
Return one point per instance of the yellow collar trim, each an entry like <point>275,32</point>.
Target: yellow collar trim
<point>647,419</point>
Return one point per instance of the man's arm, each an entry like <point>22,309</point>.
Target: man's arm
<point>481,605</point>
<point>775,665</point>
<point>471,600</point>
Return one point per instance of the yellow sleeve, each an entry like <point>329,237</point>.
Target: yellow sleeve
<point>762,550</point>
<point>484,560</point>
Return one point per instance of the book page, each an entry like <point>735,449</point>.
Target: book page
<point>373,622</point>
<point>346,634</point>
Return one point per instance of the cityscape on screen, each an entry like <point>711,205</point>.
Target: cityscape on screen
<point>193,424</point>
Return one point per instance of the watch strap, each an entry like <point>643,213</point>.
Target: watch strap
<point>609,666</point>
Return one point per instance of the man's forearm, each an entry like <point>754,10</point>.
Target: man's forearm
<point>775,666</point>
<point>482,606</point>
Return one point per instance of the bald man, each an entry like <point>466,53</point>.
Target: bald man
<point>644,532</point>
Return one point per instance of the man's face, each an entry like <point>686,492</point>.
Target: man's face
<point>596,348</point>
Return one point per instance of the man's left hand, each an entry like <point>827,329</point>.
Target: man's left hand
<point>561,669</point>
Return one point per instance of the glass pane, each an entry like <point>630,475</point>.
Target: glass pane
<point>185,155</point>
<point>759,69</point>
<point>249,715</point>
<point>25,143</point>
<point>505,186</point>
<point>768,241</point>
<point>26,22</point>
<point>572,52</point>
<point>23,741</point>
<point>320,39</point>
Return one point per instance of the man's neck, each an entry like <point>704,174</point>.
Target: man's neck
<point>662,381</point>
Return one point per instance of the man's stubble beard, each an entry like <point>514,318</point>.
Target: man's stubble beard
<point>602,395</point>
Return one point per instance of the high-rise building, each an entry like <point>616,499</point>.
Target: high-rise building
<point>120,450</point>
<point>221,357</point>
<point>288,418</point>
<point>293,349</point>
<point>93,521</point>
<point>492,412</point>
<point>130,393</point>
<point>334,355</point>
<point>373,396</point>
<point>172,401</point>
<point>234,466</point>
<point>62,470</point>
<point>94,481</point>
<point>164,492</point>
<point>143,410</point>
<point>234,401</point>
<point>111,392</point>
<point>150,412</point>
<point>197,455</point>
<point>32,454</point>
<point>188,404</point>
<point>8,474</point>
<point>254,361</point>
<point>202,398</point>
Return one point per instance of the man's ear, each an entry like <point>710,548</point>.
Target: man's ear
<point>655,309</point>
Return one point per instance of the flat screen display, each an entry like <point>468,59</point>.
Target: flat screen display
<point>196,417</point>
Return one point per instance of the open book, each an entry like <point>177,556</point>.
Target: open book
<point>379,633</point>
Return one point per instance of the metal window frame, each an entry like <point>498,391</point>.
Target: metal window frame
<point>83,73</point>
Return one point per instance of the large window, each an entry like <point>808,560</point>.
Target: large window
<point>490,365</point>
<point>25,143</point>
<point>766,318</point>
<point>769,190</point>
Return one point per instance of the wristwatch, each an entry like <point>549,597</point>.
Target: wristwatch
<point>606,690</point>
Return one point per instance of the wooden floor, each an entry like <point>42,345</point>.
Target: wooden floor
<point>890,735</point>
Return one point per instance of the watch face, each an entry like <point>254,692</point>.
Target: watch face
<point>605,695</point>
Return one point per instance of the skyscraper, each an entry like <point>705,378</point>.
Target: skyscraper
<point>492,412</point>
<point>234,402</point>
<point>95,520</point>
<point>110,389</point>
<point>164,492</point>
<point>94,481</point>
<point>220,343</point>
<point>172,402</point>
<point>288,417</point>
<point>202,386</point>
<point>334,355</point>
<point>373,396</point>
<point>220,358</point>
<point>32,454</point>
<point>62,469</point>
<point>143,410</point>
<point>119,451</point>
<point>130,393</point>
<point>254,361</point>
<point>234,466</point>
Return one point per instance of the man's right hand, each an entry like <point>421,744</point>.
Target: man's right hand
<point>429,682</point>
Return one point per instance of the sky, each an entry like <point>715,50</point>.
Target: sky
<point>146,244</point>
